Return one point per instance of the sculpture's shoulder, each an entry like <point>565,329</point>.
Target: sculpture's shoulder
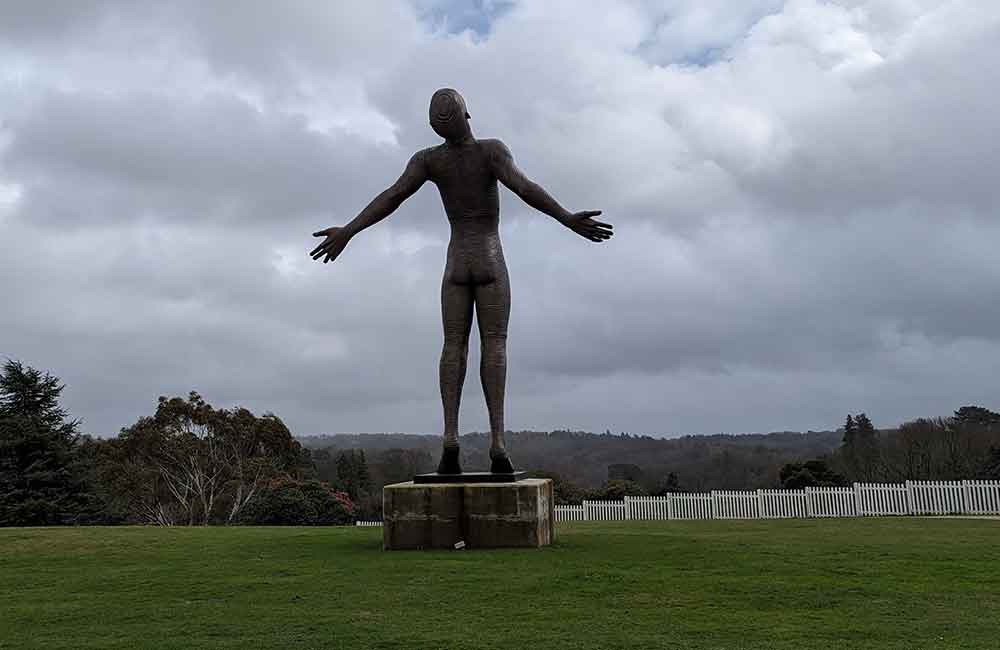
<point>494,147</point>
<point>424,156</point>
<point>431,157</point>
<point>496,154</point>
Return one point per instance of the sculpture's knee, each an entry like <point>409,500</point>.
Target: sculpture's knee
<point>456,348</point>
<point>494,348</point>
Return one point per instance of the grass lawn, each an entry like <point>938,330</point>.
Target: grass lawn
<point>838,583</point>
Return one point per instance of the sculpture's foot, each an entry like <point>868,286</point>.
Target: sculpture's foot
<point>500,462</point>
<point>449,461</point>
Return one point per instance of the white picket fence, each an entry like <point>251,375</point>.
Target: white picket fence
<point>781,504</point>
<point>570,513</point>
<point>861,500</point>
<point>368,523</point>
<point>605,510</point>
<point>880,499</point>
<point>936,497</point>
<point>982,497</point>
<point>831,502</point>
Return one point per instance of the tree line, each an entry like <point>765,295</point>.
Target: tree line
<point>965,445</point>
<point>191,464</point>
<point>186,464</point>
<point>606,465</point>
<point>610,466</point>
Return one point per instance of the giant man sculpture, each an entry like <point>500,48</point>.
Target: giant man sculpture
<point>466,171</point>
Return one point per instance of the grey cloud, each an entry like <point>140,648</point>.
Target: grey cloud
<point>214,158</point>
<point>34,22</point>
<point>804,228</point>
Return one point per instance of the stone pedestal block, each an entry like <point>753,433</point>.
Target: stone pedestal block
<point>483,515</point>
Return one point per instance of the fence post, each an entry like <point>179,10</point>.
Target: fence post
<point>857,501</point>
<point>628,507</point>
<point>966,499</point>
<point>909,498</point>
<point>809,502</point>
<point>670,506</point>
<point>586,510</point>
<point>715,507</point>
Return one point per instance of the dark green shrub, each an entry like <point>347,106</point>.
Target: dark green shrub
<point>290,502</point>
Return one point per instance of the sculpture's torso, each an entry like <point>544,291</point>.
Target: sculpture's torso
<point>467,183</point>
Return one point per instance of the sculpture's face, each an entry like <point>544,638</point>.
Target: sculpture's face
<point>448,115</point>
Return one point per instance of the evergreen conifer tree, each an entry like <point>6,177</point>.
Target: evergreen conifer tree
<point>41,482</point>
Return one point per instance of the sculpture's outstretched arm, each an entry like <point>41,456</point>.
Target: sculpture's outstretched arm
<point>582,223</point>
<point>380,207</point>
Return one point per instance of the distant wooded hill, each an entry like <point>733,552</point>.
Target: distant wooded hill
<point>723,462</point>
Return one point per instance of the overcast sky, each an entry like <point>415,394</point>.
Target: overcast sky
<point>806,199</point>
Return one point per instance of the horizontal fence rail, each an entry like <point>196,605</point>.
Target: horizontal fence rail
<point>860,500</point>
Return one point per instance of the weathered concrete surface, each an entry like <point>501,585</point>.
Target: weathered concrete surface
<point>483,515</point>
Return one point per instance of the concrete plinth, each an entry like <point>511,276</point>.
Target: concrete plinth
<point>483,515</point>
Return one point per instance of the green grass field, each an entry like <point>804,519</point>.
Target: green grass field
<point>845,583</point>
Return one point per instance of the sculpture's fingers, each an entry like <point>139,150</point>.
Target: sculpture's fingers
<point>591,213</point>
<point>332,252</point>
<point>597,225</point>
<point>325,244</point>
<point>318,251</point>
<point>322,253</point>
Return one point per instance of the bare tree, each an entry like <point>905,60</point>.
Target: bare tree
<point>193,464</point>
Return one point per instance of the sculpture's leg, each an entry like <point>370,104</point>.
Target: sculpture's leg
<point>493,312</point>
<point>456,314</point>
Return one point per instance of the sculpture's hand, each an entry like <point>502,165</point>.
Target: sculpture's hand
<point>334,244</point>
<point>584,225</point>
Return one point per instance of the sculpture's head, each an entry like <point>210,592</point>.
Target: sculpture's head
<point>449,117</point>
